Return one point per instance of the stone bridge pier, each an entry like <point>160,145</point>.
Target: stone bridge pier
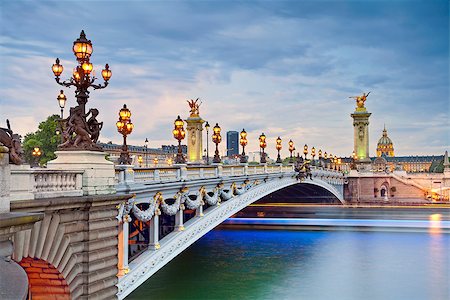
<point>72,252</point>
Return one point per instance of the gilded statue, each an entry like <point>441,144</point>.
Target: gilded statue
<point>194,105</point>
<point>360,100</point>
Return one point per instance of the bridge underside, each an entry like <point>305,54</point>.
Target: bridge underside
<point>301,193</point>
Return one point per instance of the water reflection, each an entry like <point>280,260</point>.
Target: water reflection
<point>435,224</point>
<point>252,264</point>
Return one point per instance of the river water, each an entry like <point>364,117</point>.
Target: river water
<point>293,264</point>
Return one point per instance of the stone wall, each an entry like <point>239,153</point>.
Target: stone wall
<point>79,237</point>
<point>368,189</point>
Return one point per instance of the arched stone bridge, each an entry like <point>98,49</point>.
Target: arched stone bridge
<point>185,203</point>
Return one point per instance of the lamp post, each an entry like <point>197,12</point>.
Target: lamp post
<point>320,157</point>
<point>278,147</point>
<point>179,133</point>
<point>36,155</point>
<point>305,150</point>
<point>262,145</point>
<point>243,141</point>
<point>207,142</point>
<point>335,162</point>
<point>146,152</point>
<point>291,149</point>
<point>124,127</point>
<point>82,80</point>
<point>217,138</point>
<point>140,160</point>
<point>313,154</point>
<point>354,158</point>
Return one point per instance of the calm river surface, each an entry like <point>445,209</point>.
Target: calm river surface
<point>283,264</point>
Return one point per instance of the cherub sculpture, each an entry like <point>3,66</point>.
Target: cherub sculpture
<point>194,105</point>
<point>94,125</point>
<point>360,99</point>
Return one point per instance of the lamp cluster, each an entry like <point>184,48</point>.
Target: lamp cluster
<point>179,133</point>
<point>82,49</point>
<point>124,127</point>
<point>262,146</point>
<point>217,138</point>
<point>243,141</point>
<point>82,78</point>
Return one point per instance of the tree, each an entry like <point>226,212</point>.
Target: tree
<point>45,138</point>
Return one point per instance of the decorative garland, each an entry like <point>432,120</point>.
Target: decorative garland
<point>214,199</point>
<point>172,209</point>
<point>194,204</point>
<point>147,215</point>
<point>228,194</point>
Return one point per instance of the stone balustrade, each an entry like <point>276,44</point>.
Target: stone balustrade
<point>36,183</point>
<point>128,174</point>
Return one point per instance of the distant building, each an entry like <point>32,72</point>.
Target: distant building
<point>232,143</point>
<point>144,157</point>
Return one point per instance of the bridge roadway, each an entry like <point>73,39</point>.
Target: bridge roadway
<point>214,192</point>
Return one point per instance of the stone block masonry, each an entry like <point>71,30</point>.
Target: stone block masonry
<point>73,251</point>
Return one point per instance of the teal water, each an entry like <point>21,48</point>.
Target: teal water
<point>258,264</point>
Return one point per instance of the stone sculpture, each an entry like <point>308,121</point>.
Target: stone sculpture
<point>12,142</point>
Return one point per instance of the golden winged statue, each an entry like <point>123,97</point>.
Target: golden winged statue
<point>360,100</point>
<point>194,105</point>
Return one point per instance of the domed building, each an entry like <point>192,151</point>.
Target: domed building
<point>385,147</point>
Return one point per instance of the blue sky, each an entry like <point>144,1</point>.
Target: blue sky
<point>285,68</point>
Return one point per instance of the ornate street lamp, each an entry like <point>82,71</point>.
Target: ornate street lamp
<point>305,150</point>
<point>124,127</point>
<point>216,139</point>
<point>179,133</point>
<point>86,132</point>
<point>61,101</point>
<point>291,149</point>
<point>279,146</point>
<point>335,162</point>
<point>146,152</point>
<point>262,145</point>
<point>320,157</point>
<point>140,160</point>
<point>243,141</point>
<point>207,142</point>
<point>313,154</point>
<point>36,155</point>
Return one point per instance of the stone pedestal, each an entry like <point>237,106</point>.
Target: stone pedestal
<point>5,179</point>
<point>361,138</point>
<point>98,176</point>
<point>194,139</point>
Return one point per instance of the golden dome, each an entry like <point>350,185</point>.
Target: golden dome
<point>385,147</point>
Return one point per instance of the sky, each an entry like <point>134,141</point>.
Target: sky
<point>285,68</point>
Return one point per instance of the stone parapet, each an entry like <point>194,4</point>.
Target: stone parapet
<point>98,176</point>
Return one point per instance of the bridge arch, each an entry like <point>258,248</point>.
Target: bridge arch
<point>311,191</point>
<point>149,262</point>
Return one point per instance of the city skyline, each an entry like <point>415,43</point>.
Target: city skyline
<point>282,68</point>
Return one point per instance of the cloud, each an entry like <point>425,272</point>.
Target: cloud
<point>286,68</point>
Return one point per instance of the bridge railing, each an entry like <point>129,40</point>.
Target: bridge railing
<point>127,175</point>
<point>38,183</point>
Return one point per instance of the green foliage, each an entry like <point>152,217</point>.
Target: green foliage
<point>45,138</point>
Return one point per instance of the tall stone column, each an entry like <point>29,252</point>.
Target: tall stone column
<point>194,141</point>
<point>361,138</point>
